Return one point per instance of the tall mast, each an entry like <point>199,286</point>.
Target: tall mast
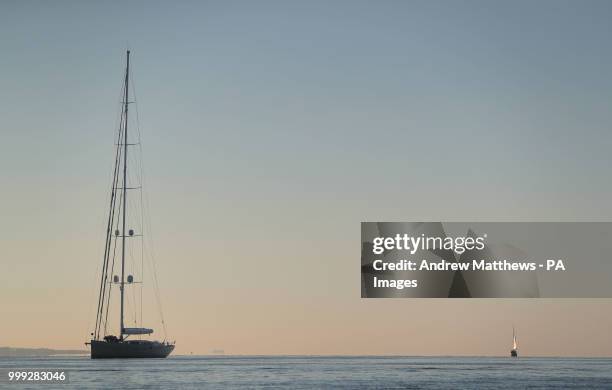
<point>125,148</point>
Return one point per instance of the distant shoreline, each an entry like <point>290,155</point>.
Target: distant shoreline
<point>49,352</point>
<point>34,352</point>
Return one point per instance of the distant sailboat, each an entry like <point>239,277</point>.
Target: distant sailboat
<point>514,351</point>
<point>118,234</point>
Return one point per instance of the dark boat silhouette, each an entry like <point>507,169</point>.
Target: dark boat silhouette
<point>102,344</point>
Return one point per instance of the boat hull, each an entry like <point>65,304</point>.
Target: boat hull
<point>129,349</point>
<point>514,353</point>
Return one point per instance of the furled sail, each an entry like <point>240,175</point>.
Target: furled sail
<point>137,331</point>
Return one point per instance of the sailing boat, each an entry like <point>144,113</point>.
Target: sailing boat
<point>104,345</point>
<point>514,350</point>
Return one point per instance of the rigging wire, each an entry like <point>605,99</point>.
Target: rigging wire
<point>147,220</point>
<point>111,175</point>
<point>138,174</point>
<point>113,237</point>
<point>117,126</point>
<point>131,257</point>
<point>104,275</point>
<point>112,268</point>
<point>114,216</point>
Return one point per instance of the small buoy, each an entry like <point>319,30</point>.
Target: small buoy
<point>131,232</point>
<point>130,278</point>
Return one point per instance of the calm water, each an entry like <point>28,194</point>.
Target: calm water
<point>323,372</point>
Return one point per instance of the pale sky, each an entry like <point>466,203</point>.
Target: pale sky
<point>270,131</point>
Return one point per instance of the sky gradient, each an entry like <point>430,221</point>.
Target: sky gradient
<point>270,131</point>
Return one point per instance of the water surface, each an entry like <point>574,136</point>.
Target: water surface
<point>305,372</point>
